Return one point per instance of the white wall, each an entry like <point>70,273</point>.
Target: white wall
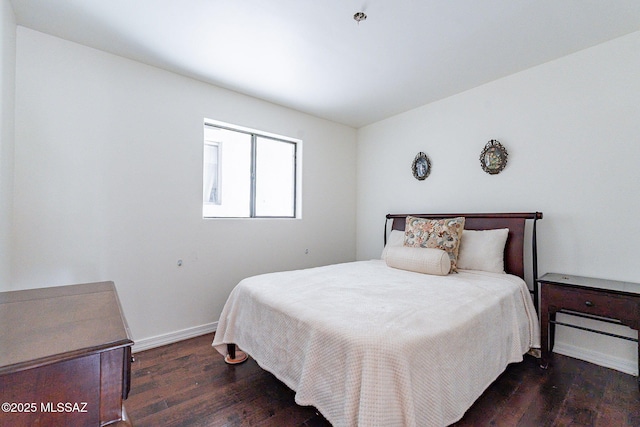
<point>108,169</point>
<point>572,131</point>
<point>108,186</point>
<point>7,95</point>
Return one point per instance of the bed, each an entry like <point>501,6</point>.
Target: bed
<point>369,343</point>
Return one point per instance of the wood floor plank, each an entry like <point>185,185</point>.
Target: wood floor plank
<point>187,384</point>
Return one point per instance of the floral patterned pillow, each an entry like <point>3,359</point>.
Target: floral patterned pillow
<point>443,234</point>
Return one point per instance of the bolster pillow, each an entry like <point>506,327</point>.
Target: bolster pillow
<point>421,260</point>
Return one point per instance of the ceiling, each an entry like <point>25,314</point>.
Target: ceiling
<point>314,57</point>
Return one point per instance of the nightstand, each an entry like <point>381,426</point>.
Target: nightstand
<point>603,300</point>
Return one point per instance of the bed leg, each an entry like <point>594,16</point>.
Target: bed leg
<point>234,355</point>
<point>231,350</point>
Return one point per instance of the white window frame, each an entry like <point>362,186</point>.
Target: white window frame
<point>255,134</point>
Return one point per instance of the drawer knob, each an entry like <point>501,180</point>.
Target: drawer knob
<point>588,304</point>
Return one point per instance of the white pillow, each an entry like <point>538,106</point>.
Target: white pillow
<point>396,238</point>
<point>483,250</point>
<point>421,260</point>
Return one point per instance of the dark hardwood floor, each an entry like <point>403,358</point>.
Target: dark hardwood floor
<point>188,384</point>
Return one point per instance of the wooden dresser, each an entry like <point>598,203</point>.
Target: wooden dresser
<point>65,357</point>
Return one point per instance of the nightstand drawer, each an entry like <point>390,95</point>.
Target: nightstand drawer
<point>590,302</point>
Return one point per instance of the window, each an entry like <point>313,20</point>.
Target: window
<point>249,174</point>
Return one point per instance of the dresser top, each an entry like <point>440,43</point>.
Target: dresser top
<point>41,326</point>
<point>591,282</point>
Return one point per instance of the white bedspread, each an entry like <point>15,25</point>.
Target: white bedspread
<point>369,345</point>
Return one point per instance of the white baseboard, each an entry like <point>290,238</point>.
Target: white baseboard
<point>623,365</point>
<point>170,338</point>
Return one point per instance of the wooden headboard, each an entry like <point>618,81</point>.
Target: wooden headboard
<point>514,249</point>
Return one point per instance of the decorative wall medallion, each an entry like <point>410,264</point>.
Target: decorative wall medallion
<point>493,157</point>
<point>421,166</point>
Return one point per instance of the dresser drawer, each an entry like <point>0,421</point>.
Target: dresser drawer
<point>590,302</point>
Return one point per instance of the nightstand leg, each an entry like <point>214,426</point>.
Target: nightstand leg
<point>552,330</point>
<point>547,334</point>
<point>544,339</point>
